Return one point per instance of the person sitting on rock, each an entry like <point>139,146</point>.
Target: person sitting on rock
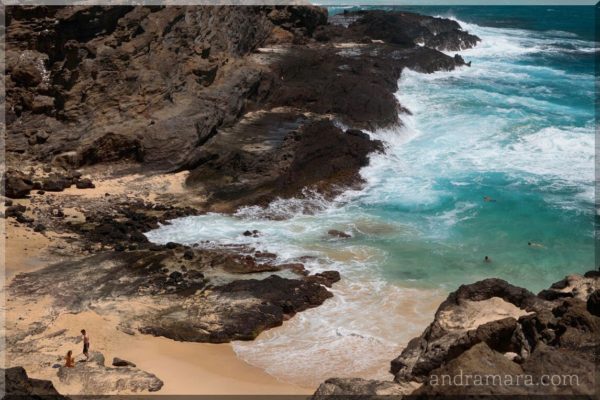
<point>86,345</point>
<point>69,360</point>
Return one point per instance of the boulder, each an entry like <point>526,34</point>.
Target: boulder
<point>93,377</point>
<point>593,303</point>
<point>477,371</point>
<point>17,185</point>
<point>358,388</point>
<point>17,385</point>
<point>84,183</point>
<point>338,234</point>
<point>327,278</point>
<point>55,183</point>
<point>472,314</point>
<point>119,362</point>
<point>26,68</point>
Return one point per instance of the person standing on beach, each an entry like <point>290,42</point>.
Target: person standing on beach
<point>86,345</point>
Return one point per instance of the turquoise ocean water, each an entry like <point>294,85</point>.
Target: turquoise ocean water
<point>517,126</point>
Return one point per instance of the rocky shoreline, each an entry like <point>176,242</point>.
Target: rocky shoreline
<point>122,118</point>
<point>494,329</point>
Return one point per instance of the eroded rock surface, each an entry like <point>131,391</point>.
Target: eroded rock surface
<point>249,98</point>
<point>17,385</point>
<point>494,330</point>
<point>94,377</point>
<point>257,103</point>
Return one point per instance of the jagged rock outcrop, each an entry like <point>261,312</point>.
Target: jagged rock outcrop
<point>150,83</point>
<point>408,29</point>
<point>239,310</point>
<point>17,385</point>
<point>492,330</point>
<point>180,303</point>
<point>573,286</point>
<point>248,98</point>
<point>317,155</point>
<point>357,388</point>
<point>485,311</point>
<point>16,184</point>
<point>93,377</point>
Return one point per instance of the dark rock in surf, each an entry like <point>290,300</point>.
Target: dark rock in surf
<point>327,278</point>
<point>338,234</point>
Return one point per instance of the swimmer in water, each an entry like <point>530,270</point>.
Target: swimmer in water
<point>488,199</point>
<point>534,244</point>
<point>487,259</point>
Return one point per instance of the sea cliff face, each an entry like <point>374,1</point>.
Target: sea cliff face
<point>249,103</point>
<point>233,95</point>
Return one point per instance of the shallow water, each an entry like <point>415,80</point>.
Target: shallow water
<point>518,126</point>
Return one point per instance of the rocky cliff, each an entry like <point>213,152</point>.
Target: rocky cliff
<point>234,94</point>
<point>108,106</point>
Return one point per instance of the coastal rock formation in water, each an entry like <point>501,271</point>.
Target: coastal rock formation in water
<point>241,96</point>
<point>253,103</point>
<point>496,329</point>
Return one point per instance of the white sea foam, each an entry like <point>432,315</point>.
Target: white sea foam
<point>444,146</point>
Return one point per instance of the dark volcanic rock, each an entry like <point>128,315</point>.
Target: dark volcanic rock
<point>407,29</point>
<point>593,303</point>
<point>237,311</point>
<point>558,338</point>
<point>13,211</point>
<point>39,228</point>
<point>357,388</point>
<point>119,362</point>
<point>478,360</point>
<point>494,287</point>
<point>576,286</point>
<point>319,155</point>
<point>179,309</point>
<point>148,84</point>
<point>191,87</point>
<point>84,184</point>
<point>55,183</point>
<point>16,185</point>
<point>110,147</point>
<point>339,234</point>
<point>327,278</point>
<point>442,341</point>
<point>17,385</point>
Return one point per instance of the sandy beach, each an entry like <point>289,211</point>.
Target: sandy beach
<point>184,367</point>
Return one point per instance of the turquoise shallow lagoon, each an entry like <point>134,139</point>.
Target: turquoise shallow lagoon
<point>517,127</point>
